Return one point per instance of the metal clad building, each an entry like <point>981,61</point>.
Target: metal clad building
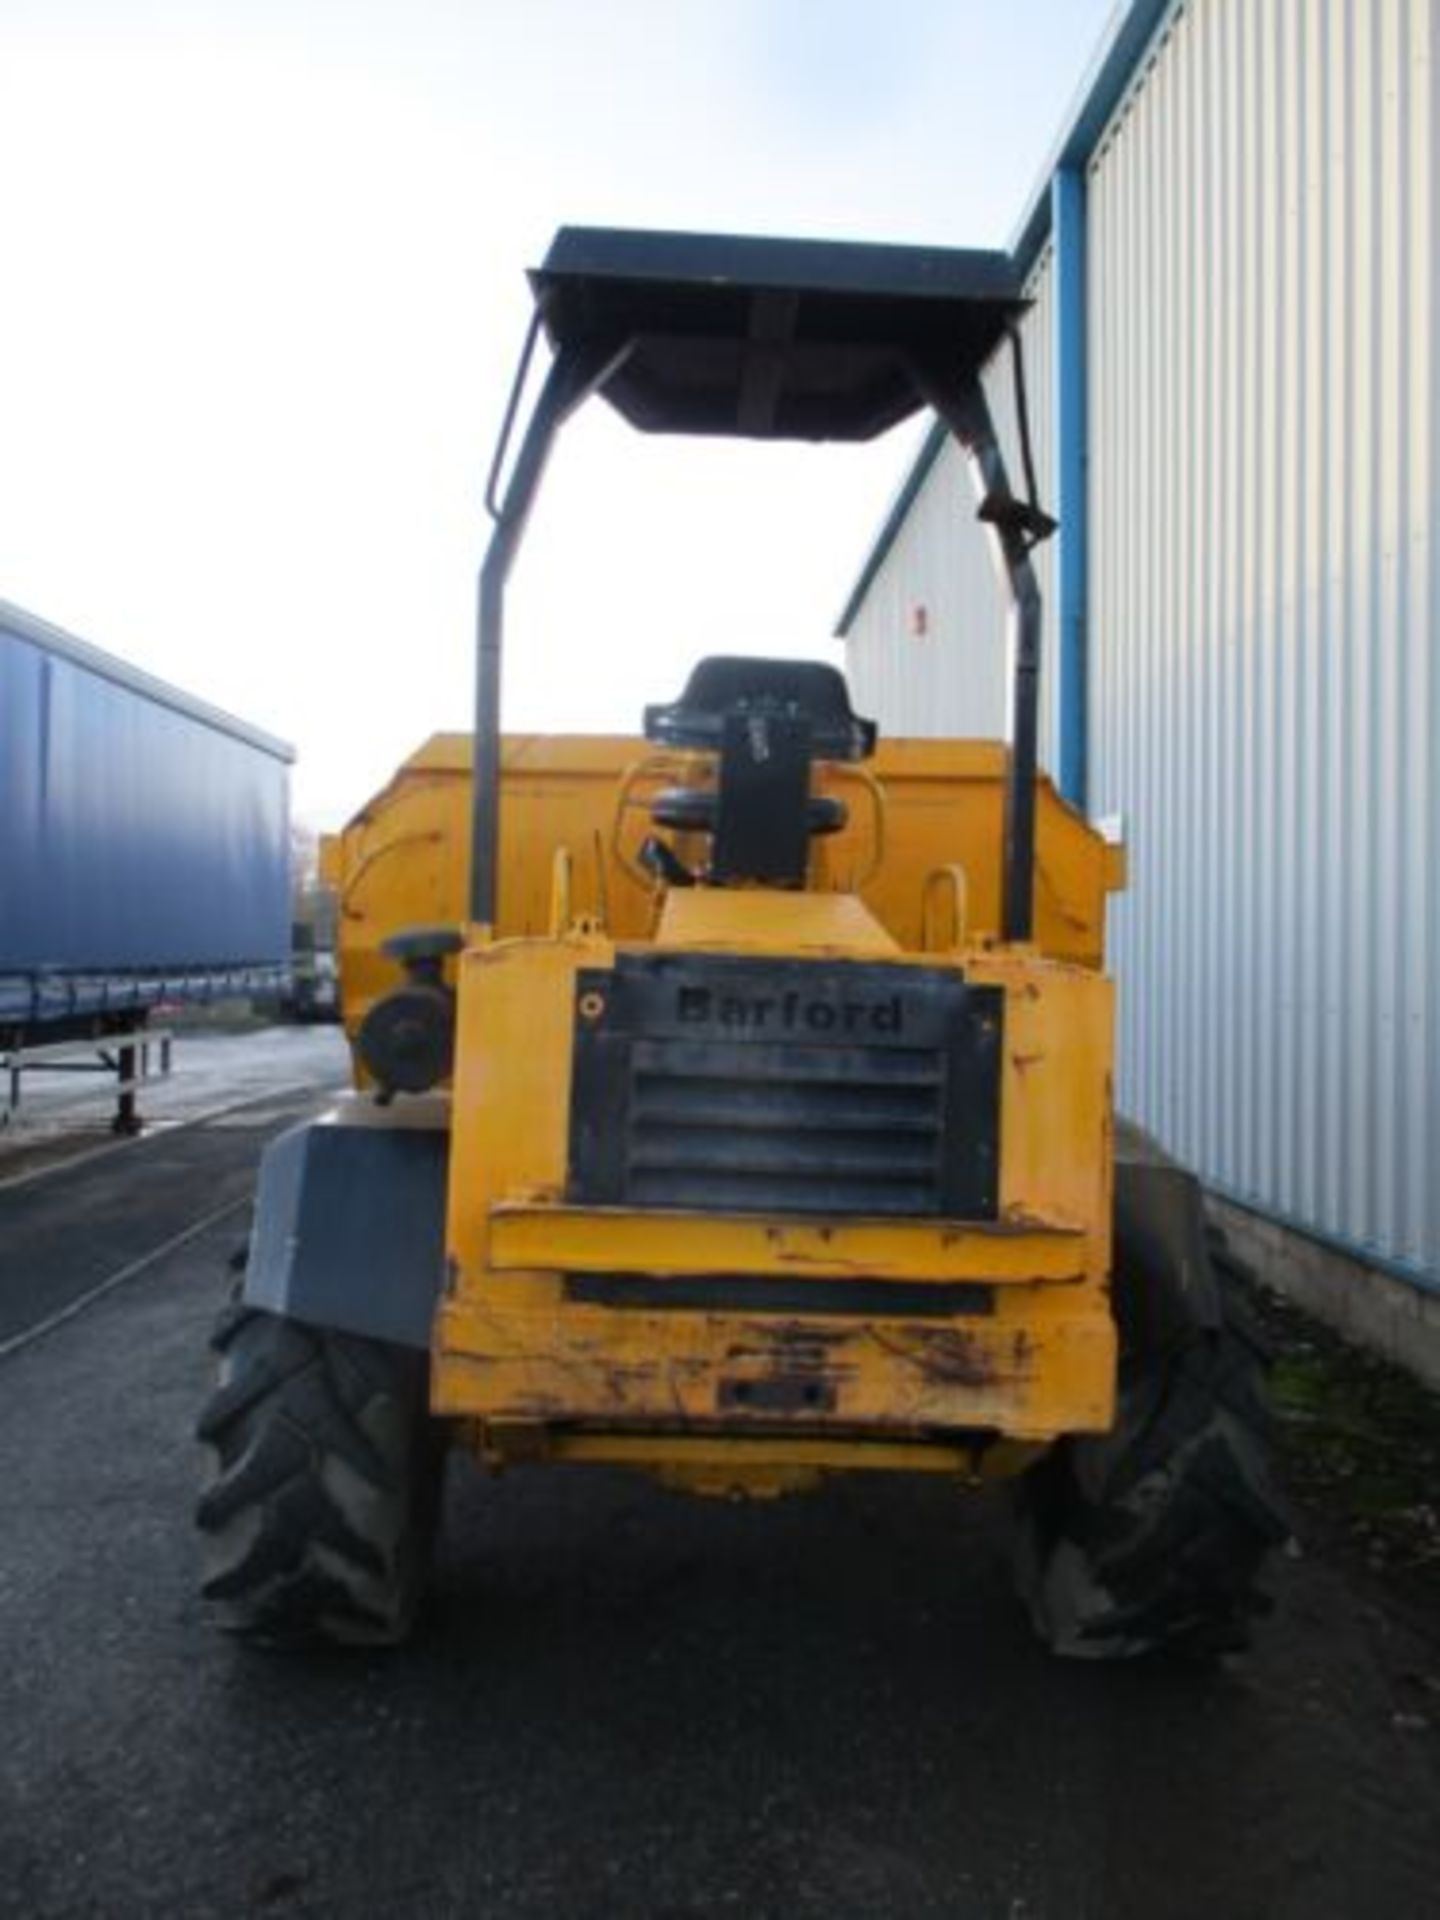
<point>1264,694</point>
<point>1261,615</point>
<point>951,678</point>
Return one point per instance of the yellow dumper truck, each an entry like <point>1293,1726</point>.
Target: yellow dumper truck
<point>733,1101</point>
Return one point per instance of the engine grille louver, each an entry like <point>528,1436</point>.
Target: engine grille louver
<point>734,1085</point>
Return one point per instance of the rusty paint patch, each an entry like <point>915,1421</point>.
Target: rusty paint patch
<point>954,1359</point>
<point>1019,1218</point>
<point>803,1344</point>
<point>791,1343</point>
<point>946,1356</point>
<point>826,1262</point>
<point>538,1406</point>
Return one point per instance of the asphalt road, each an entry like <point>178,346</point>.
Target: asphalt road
<point>624,1703</point>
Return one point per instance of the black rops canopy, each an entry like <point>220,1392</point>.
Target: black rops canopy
<point>770,339</point>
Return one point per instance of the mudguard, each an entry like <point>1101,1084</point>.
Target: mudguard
<point>1164,1289</point>
<point>350,1221</point>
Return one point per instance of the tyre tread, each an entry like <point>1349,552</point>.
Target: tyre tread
<point>286,1560</point>
<point>1153,1536</point>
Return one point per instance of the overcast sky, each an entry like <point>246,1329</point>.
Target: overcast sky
<point>263,292</point>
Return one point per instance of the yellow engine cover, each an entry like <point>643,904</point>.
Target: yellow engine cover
<point>1018,1343</point>
<point>750,1345</point>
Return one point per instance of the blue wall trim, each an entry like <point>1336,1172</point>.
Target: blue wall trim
<point>1131,35</point>
<point>1071,501</point>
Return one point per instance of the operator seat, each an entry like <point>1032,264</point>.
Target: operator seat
<point>767,721</point>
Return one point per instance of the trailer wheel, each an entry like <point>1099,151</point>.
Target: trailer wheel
<point>1152,1537</point>
<point>323,1485</point>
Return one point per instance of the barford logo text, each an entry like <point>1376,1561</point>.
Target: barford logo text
<point>788,1013</point>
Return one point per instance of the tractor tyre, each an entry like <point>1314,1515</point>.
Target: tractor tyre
<point>323,1488</point>
<point>1151,1538</point>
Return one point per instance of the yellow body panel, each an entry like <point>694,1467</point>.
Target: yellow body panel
<point>724,1398</point>
<point>529,1234</point>
<point>404,859</point>
<point>764,920</point>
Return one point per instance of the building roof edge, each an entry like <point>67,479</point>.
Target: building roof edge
<point>895,516</point>
<point>1124,44</point>
<point>1131,31</point>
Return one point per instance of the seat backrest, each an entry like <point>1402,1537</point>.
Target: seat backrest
<point>767,720</point>
<point>726,683</point>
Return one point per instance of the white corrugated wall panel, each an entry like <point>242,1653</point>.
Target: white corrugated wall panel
<point>953,678</point>
<point>1265,603</point>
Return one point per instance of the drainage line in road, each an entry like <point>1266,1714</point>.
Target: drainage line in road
<point>173,1245</point>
